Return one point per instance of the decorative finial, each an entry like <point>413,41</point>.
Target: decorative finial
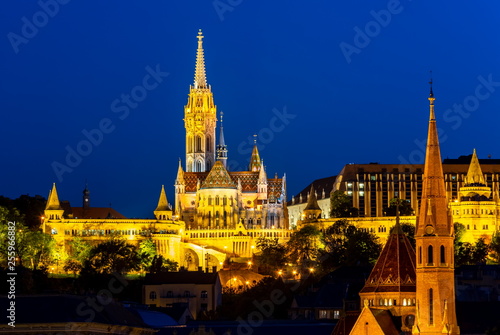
<point>221,117</point>
<point>430,83</point>
<point>255,139</point>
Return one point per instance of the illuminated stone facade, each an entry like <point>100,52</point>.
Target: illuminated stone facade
<point>207,195</point>
<point>218,213</point>
<point>476,205</point>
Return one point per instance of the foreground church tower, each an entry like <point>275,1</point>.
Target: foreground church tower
<point>200,118</point>
<point>434,241</point>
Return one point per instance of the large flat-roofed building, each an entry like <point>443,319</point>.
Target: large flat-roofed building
<point>372,186</point>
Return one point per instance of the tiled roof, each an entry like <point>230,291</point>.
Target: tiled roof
<point>320,185</point>
<point>218,177</point>
<point>248,181</point>
<point>395,267</point>
<point>96,213</point>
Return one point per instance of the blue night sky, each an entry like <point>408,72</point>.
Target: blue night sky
<point>324,83</point>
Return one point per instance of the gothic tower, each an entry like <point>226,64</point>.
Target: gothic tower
<point>200,118</point>
<point>222,147</point>
<point>434,245</point>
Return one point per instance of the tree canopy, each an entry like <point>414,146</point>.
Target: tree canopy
<point>347,245</point>
<point>341,205</point>
<point>404,207</point>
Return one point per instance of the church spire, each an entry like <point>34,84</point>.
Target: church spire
<point>434,237</point>
<point>200,118</point>
<point>222,147</point>
<point>200,78</point>
<point>433,205</point>
<point>474,176</point>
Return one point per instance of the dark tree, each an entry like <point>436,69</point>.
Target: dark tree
<point>272,255</point>
<point>409,230</point>
<point>303,247</point>
<point>347,245</point>
<point>495,247</point>
<point>404,207</point>
<point>111,256</point>
<point>341,205</point>
<point>160,265</point>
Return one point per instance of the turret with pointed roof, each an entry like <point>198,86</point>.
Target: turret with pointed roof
<point>434,237</point>
<point>163,210</point>
<point>475,187</point>
<point>312,211</point>
<point>53,209</point>
<point>392,282</point>
<point>262,182</point>
<point>255,158</point>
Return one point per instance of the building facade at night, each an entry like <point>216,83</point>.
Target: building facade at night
<point>217,213</point>
<point>413,291</point>
<point>472,187</point>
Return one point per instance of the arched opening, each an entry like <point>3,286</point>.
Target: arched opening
<point>198,143</point>
<point>430,255</point>
<point>443,256</point>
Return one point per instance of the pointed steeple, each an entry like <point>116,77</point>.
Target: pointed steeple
<point>162,201</point>
<point>179,180</point>
<point>200,119</point>
<point>53,199</point>
<point>475,186</point>
<point>200,78</point>
<point>434,204</point>
<point>474,176</point>
<point>312,200</point>
<point>262,183</point>
<point>393,278</point>
<point>163,210</point>
<point>434,235</point>
<point>222,147</point>
<point>255,158</point>
<point>53,209</point>
<point>312,211</point>
<point>262,173</point>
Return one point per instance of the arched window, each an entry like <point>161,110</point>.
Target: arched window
<point>190,144</point>
<point>198,166</point>
<point>430,256</point>
<point>443,257</point>
<point>170,294</point>
<point>198,144</point>
<point>209,143</point>
<point>431,307</point>
<point>152,295</point>
<point>187,294</point>
<point>217,201</point>
<point>419,255</point>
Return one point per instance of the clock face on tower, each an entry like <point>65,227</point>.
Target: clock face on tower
<point>429,230</point>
